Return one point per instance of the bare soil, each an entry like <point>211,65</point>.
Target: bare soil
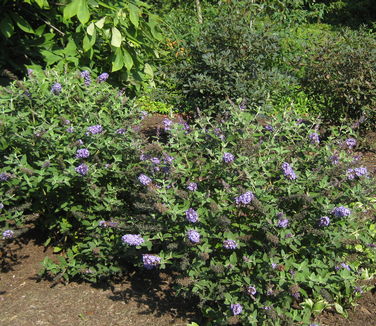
<point>25,300</point>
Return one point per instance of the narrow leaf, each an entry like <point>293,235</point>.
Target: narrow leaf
<point>128,60</point>
<point>118,63</point>
<point>134,14</point>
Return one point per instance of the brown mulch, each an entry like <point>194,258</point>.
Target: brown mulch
<point>25,300</point>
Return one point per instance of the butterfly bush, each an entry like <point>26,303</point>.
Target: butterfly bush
<point>245,263</point>
<point>258,222</point>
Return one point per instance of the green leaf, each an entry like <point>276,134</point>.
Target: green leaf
<point>6,26</point>
<point>100,23</point>
<point>339,308</point>
<point>128,60</point>
<point>118,63</point>
<point>71,9</point>
<point>91,29</point>
<point>148,70</point>
<point>116,37</point>
<point>22,23</point>
<point>50,57</point>
<point>83,13</point>
<point>134,14</point>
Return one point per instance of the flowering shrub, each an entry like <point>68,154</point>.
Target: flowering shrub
<point>278,225</point>
<point>69,160</point>
<point>261,221</point>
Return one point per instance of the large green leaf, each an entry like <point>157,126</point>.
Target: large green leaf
<point>128,60</point>
<point>22,23</point>
<point>134,14</point>
<point>118,63</point>
<point>71,9</point>
<point>83,13</point>
<point>116,37</point>
<point>6,26</point>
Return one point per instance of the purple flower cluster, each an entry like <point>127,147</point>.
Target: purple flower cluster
<point>191,215</point>
<point>193,236</point>
<point>8,234</point>
<point>315,138</point>
<point>324,221</point>
<point>192,186</point>
<point>251,290</point>
<point>288,171</point>
<point>4,176</point>
<point>86,76</point>
<point>56,88</point>
<point>151,261</point>
<point>82,153</point>
<point>356,173</point>
<point>144,179</point>
<point>230,244</point>
<point>97,129</point>
<point>236,308</point>
<point>120,131</point>
<point>334,159</point>
<point>341,211</point>
<point>167,123</point>
<point>82,169</point>
<point>344,266</point>
<point>228,157</point>
<point>245,198</point>
<point>351,143</point>
<point>70,130</point>
<point>155,160</point>
<point>168,159</point>
<point>133,239</point>
<point>269,128</point>
<point>283,223</point>
<point>102,77</point>
<point>1,205</point>
<point>108,224</point>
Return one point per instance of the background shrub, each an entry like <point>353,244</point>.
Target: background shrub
<point>342,76</point>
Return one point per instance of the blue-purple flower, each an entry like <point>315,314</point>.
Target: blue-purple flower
<point>236,308</point>
<point>334,159</point>
<point>120,131</point>
<point>193,236</point>
<point>315,138</point>
<point>86,76</point>
<point>82,169</point>
<point>191,215</point>
<point>283,223</point>
<point>155,160</point>
<point>151,261</point>
<point>167,123</point>
<point>4,176</point>
<point>102,77</point>
<point>251,290</point>
<point>1,205</point>
<point>56,88</point>
<point>192,186</point>
<point>356,173</point>
<point>341,211</point>
<point>288,171</point>
<point>97,129</point>
<point>70,130</point>
<point>324,221</point>
<point>228,157</point>
<point>342,266</point>
<point>269,128</point>
<point>230,244</point>
<point>144,179</point>
<point>245,198</point>
<point>8,234</point>
<point>351,142</point>
<point>82,153</point>
<point>133,239</point>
